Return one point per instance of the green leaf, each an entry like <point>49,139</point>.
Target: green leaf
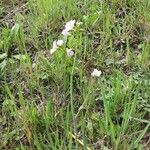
<point>3,56</point>
<point>3,64</point>
<point>15,30</point>
<point>20,57</point>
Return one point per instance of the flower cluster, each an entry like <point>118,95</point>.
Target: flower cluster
<point>58,43</point>
<point>66,32</point>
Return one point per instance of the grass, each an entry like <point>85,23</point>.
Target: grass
<point>51,101</point>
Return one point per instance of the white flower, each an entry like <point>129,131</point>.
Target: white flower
<point>68,27</point>
<point>70,52</point>
<point>60,42</point>
<point>96,73</point>
<point>54,47</point>
<point>65,32</point>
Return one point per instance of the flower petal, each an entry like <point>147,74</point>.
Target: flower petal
<point>70,25</point>
<point>65,32</point>
<point>54,47</point>
<point>70,52</point>
<point>60,42</point>
<point>96,73</point>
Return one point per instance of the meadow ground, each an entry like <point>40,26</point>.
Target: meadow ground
<point>50,98</point>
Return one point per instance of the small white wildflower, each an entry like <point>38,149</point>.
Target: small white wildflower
<point>96,73</point>
<point>70,25</point>
<point>70,52</point>
<point>60,42</point>
<point>54,47</point>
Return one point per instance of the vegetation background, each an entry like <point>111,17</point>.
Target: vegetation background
<point>51,101</point>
